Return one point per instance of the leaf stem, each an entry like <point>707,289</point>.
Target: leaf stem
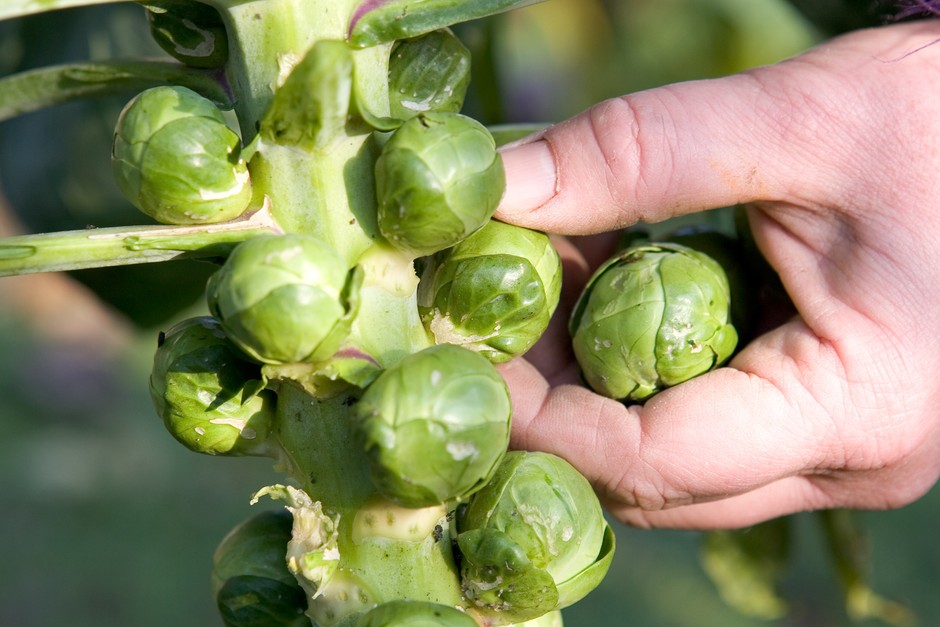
<point>29,91</point>
<point>117,246</point>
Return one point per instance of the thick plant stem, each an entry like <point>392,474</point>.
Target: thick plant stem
<point>98,248</point>
<point>382,552</point>
<point>327,193</point>
<point>267,38</point>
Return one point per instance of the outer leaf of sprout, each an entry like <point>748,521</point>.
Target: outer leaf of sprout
<point>428,73</point>
<point>280,297</point>
<point>311,107</point>
<point>533,539</point>
<point>209,396</point>
<point>652,317</point>
<point>746,565</point>
<point>414,614</point>
<point>494,292</point>
<point>177,161</point>
<point>435,425</point>
<point>438,179</point>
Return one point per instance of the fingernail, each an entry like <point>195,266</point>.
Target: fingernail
<point>530,177</point>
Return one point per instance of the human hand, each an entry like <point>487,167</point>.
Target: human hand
<point>836,154</point>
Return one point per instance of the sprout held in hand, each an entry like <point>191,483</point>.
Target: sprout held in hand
<point>533,540</point>
<point>494,292</point>
<point>281,298</point>
<point>211,399</point>
<point>177,161</point>
<point>435,425</point>
<point>652,317</point>
<point>438,179</point>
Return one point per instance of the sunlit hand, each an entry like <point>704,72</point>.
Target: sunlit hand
<point>837,154</point>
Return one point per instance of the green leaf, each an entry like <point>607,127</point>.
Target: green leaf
<point>745,566</point>
<point>310,108</point>
<point>378,21</point>
<point>35,89</point>
<point>577,587</point>
<point>848,546</point>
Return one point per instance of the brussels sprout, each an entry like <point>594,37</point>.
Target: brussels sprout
<point>176,160</point>
<point>435,425</point>
<point>428,73</point>
<point>210,397</point>
<point>190,32</point>
<point>438,179</point>
<point>494,292</point>
<point>653,316</point>
<point>533,540</point>
<point>250,579</point>
<point>414,614</point>
<point>729,253</point>
<point>281,298</point>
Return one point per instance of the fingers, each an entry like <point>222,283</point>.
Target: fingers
<point>643,157</point>
<point>778,133</point>
<point>760,430</point>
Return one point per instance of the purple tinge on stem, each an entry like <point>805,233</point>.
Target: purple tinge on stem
<point>909,8</point>
<point>364,7</point>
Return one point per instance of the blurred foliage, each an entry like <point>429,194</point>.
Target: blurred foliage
<point>108,520</point>
<point>557,58</point>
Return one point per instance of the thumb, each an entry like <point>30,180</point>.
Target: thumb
<point>664,152</point>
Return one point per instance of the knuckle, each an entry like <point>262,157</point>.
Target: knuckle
<point>634,138</point>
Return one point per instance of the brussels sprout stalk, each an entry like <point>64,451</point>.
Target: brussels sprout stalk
<point>115,246</point>
<point>317,301</point>
<point>351,548</point>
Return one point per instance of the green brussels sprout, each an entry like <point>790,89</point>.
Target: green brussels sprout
<point>653,316</point>
<point>281,298</point>
<point>494,292</point>
<point>176,160</point>
<point>428,73</point>
<point>250,579</point>
<point>210,397</point>
<point>190,32</point>
<point>438,179</point>
<point>414,614</point>
<point>435,425</point>
<point>533,540</point>
<point>729,253</point>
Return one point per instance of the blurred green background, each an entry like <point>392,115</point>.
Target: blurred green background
<point>107,521</point>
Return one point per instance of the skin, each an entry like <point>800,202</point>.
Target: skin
<point>836,154</point>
